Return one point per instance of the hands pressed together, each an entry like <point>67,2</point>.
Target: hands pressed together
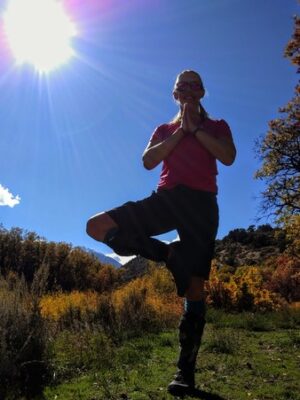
<point>191,122</point>
<point>222,149</point>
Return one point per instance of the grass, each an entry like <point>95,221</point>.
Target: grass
<point>239,360</point>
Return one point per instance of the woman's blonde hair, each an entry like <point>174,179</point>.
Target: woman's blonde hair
<point>204,114</point>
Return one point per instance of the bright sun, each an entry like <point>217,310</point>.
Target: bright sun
<point>39,32</point>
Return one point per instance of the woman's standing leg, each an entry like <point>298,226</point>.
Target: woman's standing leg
<point>197,236</point>
<point>191,329</point>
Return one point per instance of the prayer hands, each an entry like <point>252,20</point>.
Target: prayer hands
<point>190,118</point>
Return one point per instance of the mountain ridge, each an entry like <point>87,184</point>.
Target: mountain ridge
<point>102,257</point>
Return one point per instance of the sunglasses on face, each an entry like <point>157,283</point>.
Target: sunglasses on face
<point>183,86</point>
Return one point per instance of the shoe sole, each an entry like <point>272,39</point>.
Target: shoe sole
<point>179,390</point>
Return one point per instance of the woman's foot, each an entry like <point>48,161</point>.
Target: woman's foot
<point>182,384</point>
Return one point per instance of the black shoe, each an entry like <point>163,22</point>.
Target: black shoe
<point>184,383</point>
<point>175,263</point>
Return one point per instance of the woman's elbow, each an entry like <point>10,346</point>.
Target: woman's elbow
<point>147,163</point>
<point>147,166</point>
<point>227,162</point>
<point>229,159</point>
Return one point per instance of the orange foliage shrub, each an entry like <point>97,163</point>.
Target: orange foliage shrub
<point>243,290</point>
<point>56,305</point>
<point>286,278</point>
<point>146,303</point>
<point>149,301</point>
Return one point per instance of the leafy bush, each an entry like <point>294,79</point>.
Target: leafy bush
<point>23,357</point>
<point>286,278</point>
<point>143,305</point>
<point>243,290</point>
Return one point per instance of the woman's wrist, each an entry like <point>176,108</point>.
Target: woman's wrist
<point>193,133</point>
<point>199,128</point>
<point>181,132</point>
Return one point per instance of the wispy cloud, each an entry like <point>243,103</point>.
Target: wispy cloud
<point>7,198</point>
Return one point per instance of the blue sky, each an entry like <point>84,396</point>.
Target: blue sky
<point>71,141</point>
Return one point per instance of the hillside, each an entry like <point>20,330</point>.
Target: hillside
<point>252,246</point>
<point>134,268</point>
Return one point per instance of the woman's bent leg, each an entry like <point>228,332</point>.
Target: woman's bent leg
<point>128,229</point>
<point>103,228</point>
<point>124,243</point>
<point>98,226</point>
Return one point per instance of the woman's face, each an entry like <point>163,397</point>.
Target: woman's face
<point>188,89</point>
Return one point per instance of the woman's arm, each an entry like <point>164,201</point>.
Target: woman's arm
<point>155,151</point>
<point>222,148</point>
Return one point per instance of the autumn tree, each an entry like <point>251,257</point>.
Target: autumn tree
<point>67,268</point>
<point>279,150</point>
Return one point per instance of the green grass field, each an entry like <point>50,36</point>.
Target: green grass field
<point>243,356</point>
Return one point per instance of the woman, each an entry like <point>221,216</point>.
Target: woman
<point>185,200</point>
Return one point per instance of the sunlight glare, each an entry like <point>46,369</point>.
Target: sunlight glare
<point>39,32</point>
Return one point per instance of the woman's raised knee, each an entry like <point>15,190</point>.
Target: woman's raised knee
<point>98,225</point>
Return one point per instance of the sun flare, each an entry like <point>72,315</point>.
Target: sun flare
<point>39,32</point>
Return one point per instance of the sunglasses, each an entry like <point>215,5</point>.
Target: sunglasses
<point>183,86</point>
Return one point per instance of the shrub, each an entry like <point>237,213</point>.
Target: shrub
<point>243,290</point>
<point>23,359</point>
<point>57,305</point>
<point>286,278</point>
<point>146,304</point>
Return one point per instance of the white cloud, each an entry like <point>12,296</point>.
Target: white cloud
<point>121,259</point>
<point>8,199</point>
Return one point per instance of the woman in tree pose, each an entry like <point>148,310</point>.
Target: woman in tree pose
<point>185,200</point>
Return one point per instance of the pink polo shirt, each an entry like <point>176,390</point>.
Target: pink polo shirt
<point>190,163</point>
